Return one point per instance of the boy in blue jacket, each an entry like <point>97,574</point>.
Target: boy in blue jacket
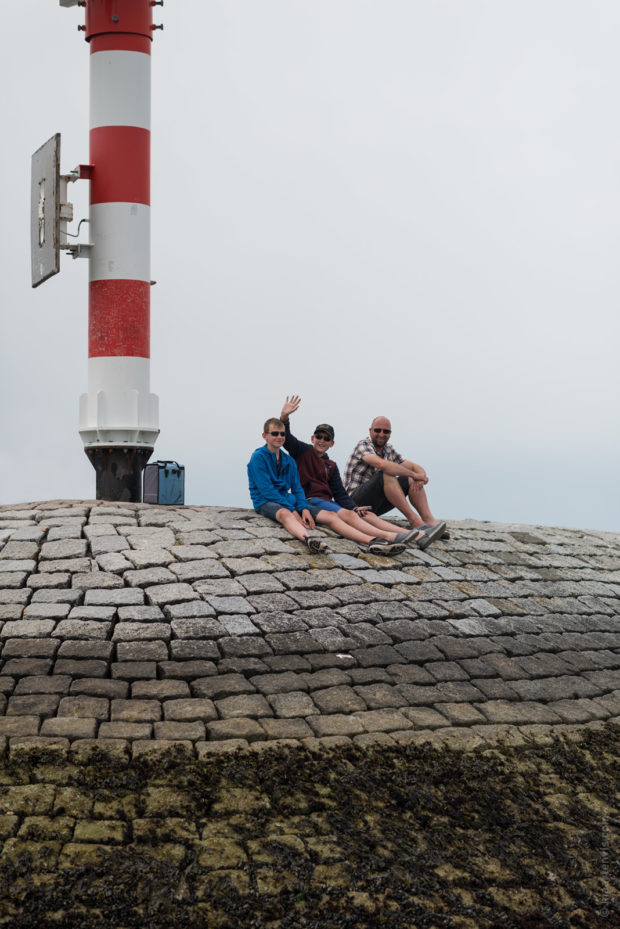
<point>275,489</point>
<point>277,494</point>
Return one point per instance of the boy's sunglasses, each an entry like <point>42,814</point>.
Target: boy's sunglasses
<point>323,436</point>
<point>277,433</point>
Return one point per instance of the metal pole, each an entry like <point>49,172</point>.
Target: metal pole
<point>119,416</point>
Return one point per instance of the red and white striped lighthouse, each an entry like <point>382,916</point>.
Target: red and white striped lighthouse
<point>119,417</point>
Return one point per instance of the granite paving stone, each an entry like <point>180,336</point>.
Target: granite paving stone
<point>124,597</point>
<point>43,684</point>
<point>100,688</point>
<point>340,699</point>
<point>83,629</point>
<point>128,631</point>
<point>89,648</point>
<point>30,648</point>
<point>64,548</point>
<point>198,572</point>
<point>43,705</point>
<point>148,557</point>
<point>293,703</point>
<point>152,650</point>
<point>186,670</point>
<point>189,649</point>
<point>243,705</point>
<point>134,670</point>
<point>221,685</point>
<point>64,595</point>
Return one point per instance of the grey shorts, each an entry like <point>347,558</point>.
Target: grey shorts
<point>270,509</point>
<point>371,493</point>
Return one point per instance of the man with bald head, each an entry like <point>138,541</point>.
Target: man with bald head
<point>378,476</point>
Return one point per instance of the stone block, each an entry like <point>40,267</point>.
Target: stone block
<point>248,646</point>
<point>243,705</point>
<point>94,612</point>
<point>43,684</point>
<point>194,609</point>
<point>189,709</point>
<point>145,577</point>
<point>26,667</point>
<point>286,728</point>
<point>159,690</point>
<point>70,728</point>
<point>128,596</point>
<point>100,688</point>
<point>84,706</point>
<point>133,670</point>
<point>64,548</point>
<point>153,650</point>
<point>170,593</point>
<point>141,631</point>
<point>341,699</point>
<point>85,648</point>
<point>135,711</point>
<point>29,648</point>
<point>27,628</point>
<point>221,685</point>
<point>82,629</point>
<point>294,703</point>
<point>125,730</point>
<point>75,668</point>
<point>235,728</point>
<point>192,649</point>
<point>186,670</point>
<point>337,724</point>
<point>193,731</point>
<point>96,580</point>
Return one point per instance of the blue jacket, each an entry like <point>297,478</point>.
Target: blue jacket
<point>267,487</point>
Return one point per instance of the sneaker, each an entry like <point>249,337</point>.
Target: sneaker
<point>315,545</point>
<point>406,537</point>
<point>431,534</point>
<point>383,547</point>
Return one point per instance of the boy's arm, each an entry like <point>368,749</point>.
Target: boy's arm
<point>294,447</point>
<point>339,493</point>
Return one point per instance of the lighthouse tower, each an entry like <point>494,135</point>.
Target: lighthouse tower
<point>119,416</point>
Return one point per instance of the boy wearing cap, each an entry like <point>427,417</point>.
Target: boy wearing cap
<point>320,478</point>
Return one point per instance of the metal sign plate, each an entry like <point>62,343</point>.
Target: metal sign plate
<point>45,211</point>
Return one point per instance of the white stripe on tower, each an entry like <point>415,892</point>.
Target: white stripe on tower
<point>119,408</point>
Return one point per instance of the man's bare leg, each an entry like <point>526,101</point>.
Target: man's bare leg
<point>417,495</point>
<point>394,493</point>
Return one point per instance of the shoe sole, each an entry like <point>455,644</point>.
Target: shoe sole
<point>395,548</point>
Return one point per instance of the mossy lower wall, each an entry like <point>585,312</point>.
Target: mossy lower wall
<point>386,837</point>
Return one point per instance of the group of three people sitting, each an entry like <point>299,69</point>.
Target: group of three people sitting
<point>304,488</point>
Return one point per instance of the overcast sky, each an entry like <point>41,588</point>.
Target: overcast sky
<point>399,207</point>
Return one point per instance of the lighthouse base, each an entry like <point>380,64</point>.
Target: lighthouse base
<point>119,471</point>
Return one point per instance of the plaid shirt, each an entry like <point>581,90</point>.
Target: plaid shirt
<point>357,472</point>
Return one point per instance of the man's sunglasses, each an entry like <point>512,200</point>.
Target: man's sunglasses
<point>322,435</point>
<point>384,431</point>
<point>277,433</point>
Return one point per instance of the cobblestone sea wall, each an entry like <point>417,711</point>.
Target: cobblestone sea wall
<point>202,724</point>
<point>384,836</point>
